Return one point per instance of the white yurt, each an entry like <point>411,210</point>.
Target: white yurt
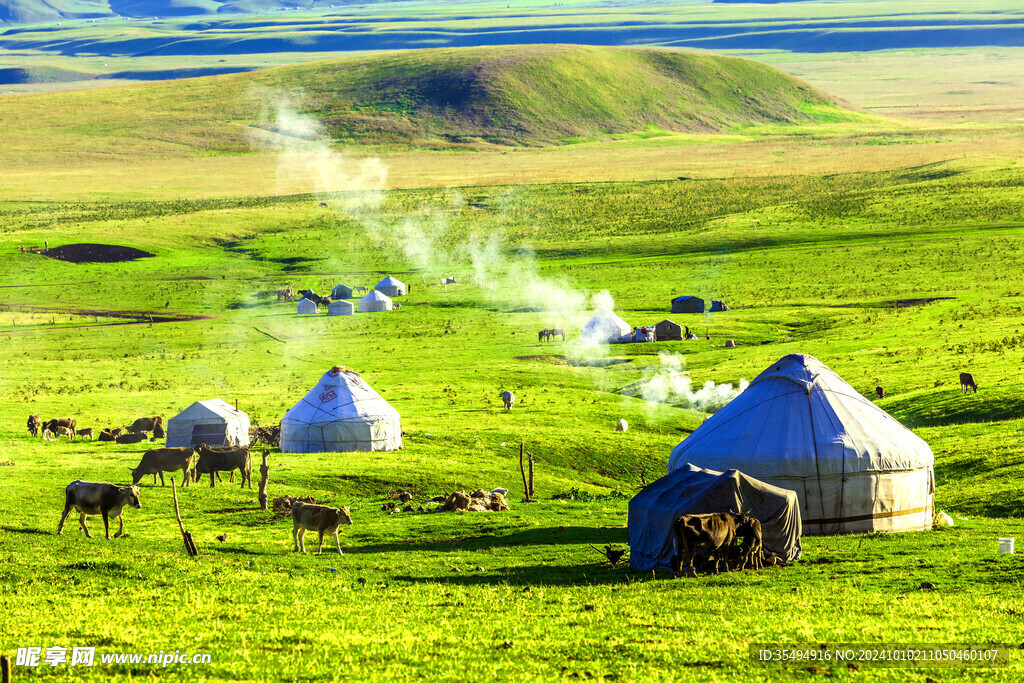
<point>799,426</point>
<point>341,413</point>
<point>306,306</point>
<point>390,287</point>
<point>213,422</point>
<point>341,308</point>
<point>606,328</point>
<point>374,301</point>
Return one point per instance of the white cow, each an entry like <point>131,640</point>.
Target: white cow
<point>508,398</point>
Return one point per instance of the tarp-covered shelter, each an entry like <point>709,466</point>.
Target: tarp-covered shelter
<point>718,306</point>
<point>692,490</point>
<point>213,422</point>
<point>687,304</point>
<point>799,426</point>
<point>373,302</point>
<point>390,287</point>
<point>341,413</point>
<point>667,330</point>
<point>341,308</point>
<point>306,306</point>
<point>341,292</point>
<point>606,328</point>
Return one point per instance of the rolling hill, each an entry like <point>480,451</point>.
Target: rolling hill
<point>517,95</point>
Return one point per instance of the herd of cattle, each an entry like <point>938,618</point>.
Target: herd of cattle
<point>67,427</point>
<point>724,537</point>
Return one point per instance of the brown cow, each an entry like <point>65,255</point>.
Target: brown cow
<point>709,534</point>
<point>159,460</point>
<point>106,435</point>
<point>52,425</point>
<point>750,549</point>
<point>130,438</point>
<point>86,433</point>
<point>90,498</point>
<point>967,382</point>
<point>215,460</point>
<point>34,424</point>
<point>880,392</point>
<point>144,424</point>
<point>319,518</point>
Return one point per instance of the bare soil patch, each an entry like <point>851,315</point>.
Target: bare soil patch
<point>94,253</point>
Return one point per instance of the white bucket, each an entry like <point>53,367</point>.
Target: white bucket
<point>1006,545</point>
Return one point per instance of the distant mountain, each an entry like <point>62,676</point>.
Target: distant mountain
<point>38,11</point>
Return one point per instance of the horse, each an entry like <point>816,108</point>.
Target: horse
<point>287,294</point>
<point>556,332</point>
<point>543,335</point>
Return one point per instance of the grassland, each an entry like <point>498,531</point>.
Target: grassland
<point>888,249</point>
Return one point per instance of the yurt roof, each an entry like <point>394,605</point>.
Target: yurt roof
<point>340,394</point>
<point>375,295</point>
<point>390,282</point>
<point>798,418</point>
<point>213,407</point>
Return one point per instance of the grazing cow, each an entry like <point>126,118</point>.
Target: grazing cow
<point>52,425</point>
<point>751,549</point>
<point>90,498</point>
<point>159,460</point>
<point>86,433</point>
<point>34,424</point>
<point>621,426</point>
<point>319,518</point>
<point>880,392</point>
<point>508,398</point>
<point>707,534</point>
<point>124,439</point>
<point>215,460</point>
<point>145,424</point>
<point>967,382</point>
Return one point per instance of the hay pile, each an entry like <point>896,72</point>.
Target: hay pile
<point>477,501</point>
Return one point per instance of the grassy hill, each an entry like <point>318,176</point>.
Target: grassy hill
<point>520,95</point>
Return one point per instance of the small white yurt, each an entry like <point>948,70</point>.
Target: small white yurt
<point>341,413</point>
<point>341,308</point>
<point>373,302</point>
<point>390,287</point>
<point>306,306</point>
<point>606,328</point>
<point>799,426</point>
<point>213,422</point>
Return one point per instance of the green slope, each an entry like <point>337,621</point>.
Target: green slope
<point>522,95</point>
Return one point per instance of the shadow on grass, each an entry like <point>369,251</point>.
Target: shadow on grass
<point>527,537</point>
<point>24,530</point>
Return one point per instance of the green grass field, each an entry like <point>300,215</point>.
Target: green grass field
<point>889,248</point>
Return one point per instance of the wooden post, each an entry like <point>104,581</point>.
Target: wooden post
<point>264,478</point>
<point>522,469</point>
<point>190,546</point>
<point>530,494</point>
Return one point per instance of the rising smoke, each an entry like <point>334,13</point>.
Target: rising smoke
<point>669,384</point>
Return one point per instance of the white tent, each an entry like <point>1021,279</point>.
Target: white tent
<point>213,422</point>
<point>799,426</point>
<point>341,308</point>
<point>391,287</point>
<point>606,328</point>
<point>374,301</point>
<point>306,306</point>
<point>341,413</point>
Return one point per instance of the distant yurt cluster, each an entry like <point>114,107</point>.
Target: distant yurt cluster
<point>377,300</point>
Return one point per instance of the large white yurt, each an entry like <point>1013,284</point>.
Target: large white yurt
<point>306,306</point>
<point>800,426</point>
<point>341,413</point>
<point>341,308</point>
<point>391,287</point>
<point>213,422</point>
<point>373,302</point>
<point>606,328</point>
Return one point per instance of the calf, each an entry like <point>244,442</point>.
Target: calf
<point>318,518</point>
<point>751,550</point>
<point>144,424</point>
<point>710,534</point>
<point>90,498</point>
<point>967,382</point>
<point>34,424</point>
<point>86,433</point>
<point>52,425</point>
<point>55,435</point>
<point>215,460</point>
<point>130,438</point>
<point>159,460</point>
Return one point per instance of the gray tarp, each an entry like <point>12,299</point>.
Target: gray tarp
<point>692,490</point>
